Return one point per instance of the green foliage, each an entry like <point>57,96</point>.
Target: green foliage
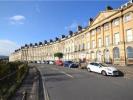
<point>11,74</point>
<point>58,54</point>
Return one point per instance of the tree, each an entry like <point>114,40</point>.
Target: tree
<point>59,55</point>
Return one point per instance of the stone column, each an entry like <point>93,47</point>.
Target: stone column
<point>122,43</point>
<point>111,41</point>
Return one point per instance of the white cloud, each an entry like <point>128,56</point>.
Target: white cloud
<point>72,26</point>
<point>17,19</point>
<point>7,47</point>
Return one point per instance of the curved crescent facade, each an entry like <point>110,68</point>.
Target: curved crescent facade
<point>108,38</point>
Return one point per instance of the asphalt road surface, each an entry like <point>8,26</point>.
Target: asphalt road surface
<point>76,84</point>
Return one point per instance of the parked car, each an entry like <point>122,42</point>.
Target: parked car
<point>59,62</point>
<point>42,62</point>
<point>47,62</point>
<point>83,65</point>
<point>70,64</point>
<point>51,62</point>
<point>38,62</point>
<point>102,68</point>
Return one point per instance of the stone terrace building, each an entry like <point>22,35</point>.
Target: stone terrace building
<point>108,38</point>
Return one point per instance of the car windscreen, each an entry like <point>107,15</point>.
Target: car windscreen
<point>70,62</point>
<point>104,65</point>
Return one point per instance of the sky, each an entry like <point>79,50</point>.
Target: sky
<point>33,21</point>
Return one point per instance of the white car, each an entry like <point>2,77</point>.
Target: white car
<point>51,62</point>
<point>102,68</point>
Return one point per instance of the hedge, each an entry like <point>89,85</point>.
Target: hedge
<point>11,76</point>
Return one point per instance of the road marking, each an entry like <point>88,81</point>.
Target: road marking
<point>46,96</point>
<point>67,74</point>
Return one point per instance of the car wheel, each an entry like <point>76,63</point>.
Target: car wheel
<point>104,73</point>
<point>89,69</point>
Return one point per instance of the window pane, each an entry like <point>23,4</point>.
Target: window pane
<point>116,38</point>
<point>99,42</point>
<point>127,17</point>
<point>116,53</point>
<point>107,41</point>
<point>88,45</point>
<point>129,35</point>
<point>129,52</point>
<point>116,22</point>
<point>93,44</point>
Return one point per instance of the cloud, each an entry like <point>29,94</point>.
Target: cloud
<point>17,19</point>
<point>7,47</point>
<point>72,26</point>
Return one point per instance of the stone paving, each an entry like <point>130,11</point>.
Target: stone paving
<point>127,70</point>
<point>29,87</point>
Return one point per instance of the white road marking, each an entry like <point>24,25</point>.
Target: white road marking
<point>67,74</point>
<point>46,96</point>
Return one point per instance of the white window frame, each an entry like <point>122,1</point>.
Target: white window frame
<point>99,30</point>
<point>127,17</point>
<point>107,40</point>
<point>129,36</point>
<point>116,22</point>
<point>106,26</point>
<point>99,42</point>
<point>93,44</point>
<point>116,38</point>
<point>93,32</point>
<point>88,44</point>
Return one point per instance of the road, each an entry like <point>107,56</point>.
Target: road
<point>75,84</point>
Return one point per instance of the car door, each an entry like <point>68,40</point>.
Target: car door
<point>92,67</point>
<point>97,67</point>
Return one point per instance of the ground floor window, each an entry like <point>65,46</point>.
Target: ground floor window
<point>99,56</point>
<point>116,53</point>
<point>129,52</point>
<point>92,55</point>
<point>106,56</point>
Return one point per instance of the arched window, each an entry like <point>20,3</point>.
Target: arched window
<point>129,52</point>
<point>116,52</point>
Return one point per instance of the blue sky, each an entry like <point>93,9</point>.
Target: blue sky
<point>32,21</point>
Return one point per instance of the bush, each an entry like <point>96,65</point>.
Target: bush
<point>11,75</point>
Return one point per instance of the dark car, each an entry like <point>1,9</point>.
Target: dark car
<point>70,64</point>
<point>47,62</point>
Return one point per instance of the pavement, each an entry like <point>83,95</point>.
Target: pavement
<point>61,83</point>
<point>127,71</point>
<point>29,87</point>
